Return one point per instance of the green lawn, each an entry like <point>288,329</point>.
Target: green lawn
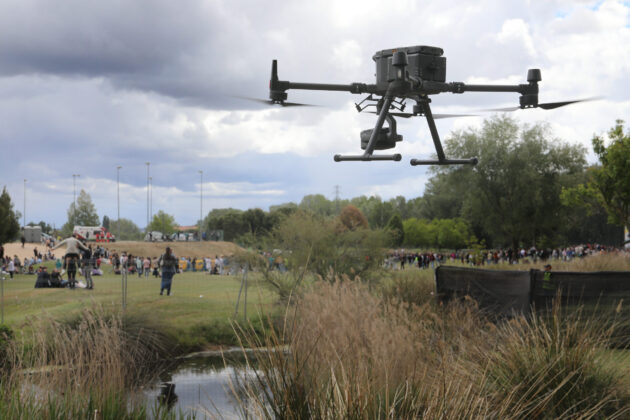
<point>199,302</point>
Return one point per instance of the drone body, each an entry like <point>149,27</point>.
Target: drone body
<point>409,73</point>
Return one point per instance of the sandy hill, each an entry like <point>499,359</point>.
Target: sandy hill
<point>145,249</point>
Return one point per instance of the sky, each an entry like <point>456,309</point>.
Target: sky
<point>87,86</point>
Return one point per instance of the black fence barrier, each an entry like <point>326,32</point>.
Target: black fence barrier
<point>510,292</point>
<point>502,292</point>
<point>601,288</point>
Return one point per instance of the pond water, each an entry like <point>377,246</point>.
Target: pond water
<point>199,384</point>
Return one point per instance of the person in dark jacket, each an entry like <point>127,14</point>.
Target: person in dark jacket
<point>168,262</point>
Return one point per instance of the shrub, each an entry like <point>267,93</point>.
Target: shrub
<point>6,337</point>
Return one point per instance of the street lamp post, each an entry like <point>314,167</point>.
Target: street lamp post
<point>24,215</point>
<point>74,199</point>
<point>151,198</point>
<point>148,165</point>
<point>118,199</point>
<point>200,202</point>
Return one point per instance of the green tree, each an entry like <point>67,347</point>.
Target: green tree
<point>452,233</point>
<point>377,212</point>
<point>106,222</point>
<point>316,244</point>
<point>125,230</point>
<point>317,204</point>
<point>418,233</point>
<point>612,179</point>
<point>231,221</point>
<point>513,195</point>
<point>256,221</point>
<point>162,222</point>
<point>395,226</point>
<point>9,224</point>
<point>444,195</point>
<point>46,228</point>
<point>83,215</point>
<point>586,218</point>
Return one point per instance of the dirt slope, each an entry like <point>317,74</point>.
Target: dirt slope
<point>145,249</point>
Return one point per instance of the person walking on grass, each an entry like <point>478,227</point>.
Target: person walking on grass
<point>168,262</point>
<point>73,248</point>
<point>139,266</point>
<point>146,265</point>
<point>88,266</point>
<point>11,267</point>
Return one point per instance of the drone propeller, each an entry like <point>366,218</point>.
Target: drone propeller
<point>547,106</point>
<point>435,116</point>
<point>270,102</point>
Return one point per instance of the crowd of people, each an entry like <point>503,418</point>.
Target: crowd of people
<point>83,259</point>
<point>429,259</point>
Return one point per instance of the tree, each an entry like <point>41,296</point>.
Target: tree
<point>231,221</point>
<point>513,195</point>
<point>46,228</point>
<point>395,226</point>
<point>106,222</point>
<point>256,220</point>
<point>83,215</point>
<point>612,179</point>
<point>162,222</point>
<point>452,233</point>
<point>125,230</point>
<point>316,244</point>
<point>351,218</point>
<point>9,224</point>
<point>418,233</point>
<point>444,195</point>
<point>586,218</point>
<point>317,204</point>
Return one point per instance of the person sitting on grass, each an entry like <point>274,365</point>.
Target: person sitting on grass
<point>43,277</point>
<point>56,280</point>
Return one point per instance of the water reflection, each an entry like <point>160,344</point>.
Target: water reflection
<point>200,385</point>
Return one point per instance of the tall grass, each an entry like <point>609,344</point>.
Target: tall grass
<point>602,262</point>
<point>351,354</point>
<point>81,366</point>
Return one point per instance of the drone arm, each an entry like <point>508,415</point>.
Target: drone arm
<point>352,88</point>
<point>458,87</point>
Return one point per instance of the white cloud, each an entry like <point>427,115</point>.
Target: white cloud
<point>93,86</point>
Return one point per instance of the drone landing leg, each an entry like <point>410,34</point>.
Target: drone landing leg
<point>372,143</point>
<point>426,110</point>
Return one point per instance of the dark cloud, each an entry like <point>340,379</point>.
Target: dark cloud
<point>86,86</point>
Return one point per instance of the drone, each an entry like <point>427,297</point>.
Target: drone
<point>414,74</point>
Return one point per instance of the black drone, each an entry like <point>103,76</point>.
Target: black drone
<point>412,73</point>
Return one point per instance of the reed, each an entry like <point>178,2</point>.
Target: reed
<point>78,367</point>
<point>350,354</point>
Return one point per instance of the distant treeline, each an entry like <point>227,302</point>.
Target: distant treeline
<point>518,195</point>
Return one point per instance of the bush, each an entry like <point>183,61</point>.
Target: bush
<point>318,245</point>
<point>410,286</point>
<point>6,338</point>
<point>552,367</point>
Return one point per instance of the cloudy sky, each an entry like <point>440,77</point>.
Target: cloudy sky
<point>86,86</point>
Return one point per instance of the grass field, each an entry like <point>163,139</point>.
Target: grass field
<point>199,311</point>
